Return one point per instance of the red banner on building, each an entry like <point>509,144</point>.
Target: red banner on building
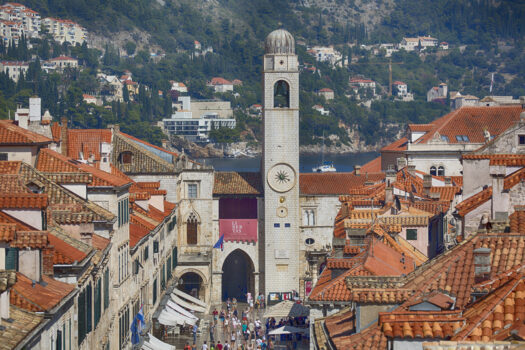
<point>239,230</point>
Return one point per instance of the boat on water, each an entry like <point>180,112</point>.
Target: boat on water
<point>326,167</point>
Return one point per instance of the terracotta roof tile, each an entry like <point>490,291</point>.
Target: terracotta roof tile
<point>20,226</point>
<point>98,242</point>
<point>420,324</point>
<point>473,121</point>
<point>11,134</point>
<point>513,179</point>
<point>420,127</point>
<point>50,161</point>
<point>335,183</point>
<point>473,202</point>
<point>23,201</point>
<point>38,297</point>
<point>86,141</point>
<point>65,253</point>
<point>237,183</point>
<point>136,233</point>
<point>369,339</point>
<point>498,159</point>
<point>21,325</point>
<point>373,166</point>
<point>30,239</point>
<point>396,146</point>
<point>340,324</point>
<point>10,167</point>
<point>517,220</point>
<point>7,232</point>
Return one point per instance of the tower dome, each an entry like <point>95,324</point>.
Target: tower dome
<point>279,41</point>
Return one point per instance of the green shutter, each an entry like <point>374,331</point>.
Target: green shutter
<point>89,297</point>
<point>174,257</point>
<point>154,291</point>
<point>81,316</point>
<point>11,259</point>
<point>98,293</point>
<point>106,289</point>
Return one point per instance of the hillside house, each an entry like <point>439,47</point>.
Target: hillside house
<point>14,69</point>
<point>327,93</point>
<point>438,93</point>
<point>220,84</point>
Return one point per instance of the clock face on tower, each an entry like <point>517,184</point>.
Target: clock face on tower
<point>281,177</point>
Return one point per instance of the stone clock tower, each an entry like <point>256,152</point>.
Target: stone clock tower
<point>280,163</point>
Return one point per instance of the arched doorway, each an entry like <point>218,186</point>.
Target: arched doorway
<point>191,283</point>
<point>237,276</point>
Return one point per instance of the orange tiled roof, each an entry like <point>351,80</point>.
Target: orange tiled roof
<point>498,159</point>
<point>396,146</point>
<point>473,121</point>
<point>64,253</point>
<point>136,233</point>
<point>420,127</point>
<point>56,131</point>
<point>369,339</point>
<point>30,239</point>
<point>38,298</point>
<point>7,232</point>
<point>420,324</point>
<point>231,182</point>
<point>23,201</point>
<point>50,161</point>
<point>335,183</point>
<point>373,166</point>
<point>86,141</point>
<point>473,202</point>
<point>446,193</point>
<point>514,178</point>
<point>517,220</point>
<point>11,134</point>
<point>99,242</point>
<point>490,317</point>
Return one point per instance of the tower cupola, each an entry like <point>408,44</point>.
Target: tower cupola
<point>279,41</point>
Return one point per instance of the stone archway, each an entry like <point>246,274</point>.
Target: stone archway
<point>192,284</point>
<point>237,276</point>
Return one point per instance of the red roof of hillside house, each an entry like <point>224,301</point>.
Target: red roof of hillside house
<point>220,81</point>
<point>472,122</point>
<point>326,90</point>
<point>359,80</point>
<point>63,58</point>
<point>335,183</point>
<point>38,297</point>
<point>398,83</point>
<point>12,135</point>
<point>86,141</point>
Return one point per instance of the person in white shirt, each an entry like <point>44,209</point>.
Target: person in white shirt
<point>204,346</point>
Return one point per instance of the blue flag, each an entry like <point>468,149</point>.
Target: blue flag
<point>220,243</point>
<point>135,339</point>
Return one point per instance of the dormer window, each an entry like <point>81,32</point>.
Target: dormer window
<point>462,138</point>
<point>445,138</point>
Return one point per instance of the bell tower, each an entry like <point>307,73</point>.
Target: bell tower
<point>280,163</point>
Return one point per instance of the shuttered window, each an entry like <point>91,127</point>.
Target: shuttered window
<point>81,316</point>
<point>174,258</point>
<point>106,289</point>
<point>163,277</point>
<point>59,340</point>
<point>89,297</point>
<point>169,268</point>
<point>154,291</point>
<point>191,230</point>
<point>98,294</point>
<point>11,259</point>
<point>146,252</point>
<point>155,246</point>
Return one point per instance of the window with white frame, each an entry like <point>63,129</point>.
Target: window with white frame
<point>192,190</point>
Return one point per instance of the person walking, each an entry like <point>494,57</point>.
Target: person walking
<point>204,346</point>
<point>194,332</point>
<point>212,330</point>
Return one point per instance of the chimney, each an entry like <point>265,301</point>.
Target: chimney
<point>411,169</point>
<point>105,157</point>
<point>357,170</point>
<point>391,176</point>
<point>427,184</point>
<point>86,237</point>
<point>63,136</point>
<point>165,143</point>
<point>35,109</point>
<point>481,264</point>
<point>47,262</point>
<point>389,194</point>
<point>500,197</point>
<point>401,163</point>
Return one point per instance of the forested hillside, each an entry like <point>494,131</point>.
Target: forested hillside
<point>486,37</point>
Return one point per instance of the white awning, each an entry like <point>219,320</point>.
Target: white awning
<point>187,305</point>
<point>188,297</point>
<point>181,310</point>
<point>168,319</point>
<point>156,344</point>
<point>172,313</point>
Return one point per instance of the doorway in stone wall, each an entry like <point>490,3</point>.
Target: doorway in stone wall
<point>237,276</point>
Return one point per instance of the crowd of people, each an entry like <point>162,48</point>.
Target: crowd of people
<point>236,328</point>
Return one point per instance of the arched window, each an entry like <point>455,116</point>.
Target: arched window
<point>125,157</point>
<point>281,94</point>
<point>441,171</point>
<point>433,170</point>
<point>191,229</point>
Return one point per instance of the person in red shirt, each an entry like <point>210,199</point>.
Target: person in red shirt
<point>219,346</point>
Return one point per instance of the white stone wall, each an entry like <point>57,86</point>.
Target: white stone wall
<point>281,145</point>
